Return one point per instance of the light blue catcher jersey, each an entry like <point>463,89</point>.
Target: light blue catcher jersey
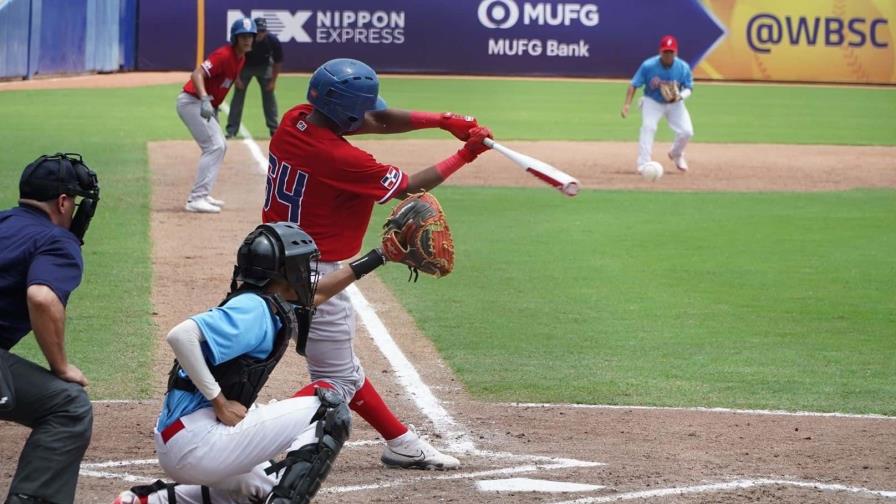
<point>652,72</point>
<point>243,326</point>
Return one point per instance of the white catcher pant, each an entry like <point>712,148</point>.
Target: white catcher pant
<point>210,138</point>
<point>231,460</point>
<point>679,120</point>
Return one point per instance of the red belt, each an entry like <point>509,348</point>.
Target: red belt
<point>169,432</point>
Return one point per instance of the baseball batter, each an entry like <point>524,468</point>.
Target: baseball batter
<point>197,106</point>
<point>318,179</point>
<point>209,438</point>
<point>665,70</point>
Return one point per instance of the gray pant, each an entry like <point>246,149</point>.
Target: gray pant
<point>330,354</point>
<point>61,420</point>
<point>268,100</point>
<point>208,135</point>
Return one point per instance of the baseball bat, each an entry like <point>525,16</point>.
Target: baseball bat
<point>564,182</point>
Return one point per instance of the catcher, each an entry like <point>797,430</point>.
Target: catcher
<point>667,80</point>
<point>209,438</point>
<point>316,177</point>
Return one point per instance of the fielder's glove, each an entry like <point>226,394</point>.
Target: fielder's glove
<point>206,110</point>
<point>670,91</point>
<point>417,235</point>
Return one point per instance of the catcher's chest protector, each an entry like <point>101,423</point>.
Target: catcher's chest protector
<point>241,379</point>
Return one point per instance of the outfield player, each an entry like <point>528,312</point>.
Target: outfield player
<point>665,67</point>
<point>197,106</point>
<point>320,180</point>
<point>208,438</point>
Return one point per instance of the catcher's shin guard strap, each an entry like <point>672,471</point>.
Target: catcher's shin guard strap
<point>367,263</point>
<point>158,486</point>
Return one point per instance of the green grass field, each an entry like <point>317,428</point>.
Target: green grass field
<point>702,299</point>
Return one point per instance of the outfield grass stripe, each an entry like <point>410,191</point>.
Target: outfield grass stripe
<point>701,409</point>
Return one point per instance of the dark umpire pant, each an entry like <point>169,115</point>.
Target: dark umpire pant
<point>60,416</point>
<point>268,100</point>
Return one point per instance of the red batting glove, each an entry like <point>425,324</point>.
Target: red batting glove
<point>458,125</point>
<point>473,147</point>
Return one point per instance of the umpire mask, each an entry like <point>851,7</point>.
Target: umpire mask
<point>49,176</point>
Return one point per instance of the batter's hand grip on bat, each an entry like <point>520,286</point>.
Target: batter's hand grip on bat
<point>564,182</point>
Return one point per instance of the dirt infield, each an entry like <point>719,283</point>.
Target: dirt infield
<point>646,455</point>
<point>652,454</point>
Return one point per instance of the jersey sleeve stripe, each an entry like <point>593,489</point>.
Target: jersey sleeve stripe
<point>401,184</point>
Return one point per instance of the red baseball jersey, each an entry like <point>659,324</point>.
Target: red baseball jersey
<point>326,185</point>
<point>222,67</point>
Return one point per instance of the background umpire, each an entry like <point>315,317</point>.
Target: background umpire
<point>40,266</point>
<point>263,63</point>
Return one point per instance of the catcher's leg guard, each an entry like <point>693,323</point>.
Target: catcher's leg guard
<point>307,468</point>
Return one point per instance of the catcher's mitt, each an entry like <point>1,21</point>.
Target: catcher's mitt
<point>670,91</point>
<point>416,234</point>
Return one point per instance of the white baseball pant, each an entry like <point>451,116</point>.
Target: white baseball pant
<point>679,120</point>
<point>231,460</point>
<point>210,138</point>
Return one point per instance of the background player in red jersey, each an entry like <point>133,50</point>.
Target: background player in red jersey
<point>198,105</point>
<point>319,180</point>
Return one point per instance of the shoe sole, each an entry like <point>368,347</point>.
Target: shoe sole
<point>415,464</point>
<point>193,210</point>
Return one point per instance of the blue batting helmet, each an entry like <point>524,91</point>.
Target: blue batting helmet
<point>344,89</point>
<point>241,26</point>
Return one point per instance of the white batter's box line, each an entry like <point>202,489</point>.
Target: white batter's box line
<point>118,463</point>
<point>726,486</point>
<point>703,409</point>
<point>453,475</point>
<point>125,401</point>
<point>520,457</point>
<point>407,376</point>
<point>122,476</point>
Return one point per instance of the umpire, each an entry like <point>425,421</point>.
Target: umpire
<point>40,266</point>
<point>263,63</point>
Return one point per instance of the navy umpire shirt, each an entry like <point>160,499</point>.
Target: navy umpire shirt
<point>262,52</point>
<point>33,250</point>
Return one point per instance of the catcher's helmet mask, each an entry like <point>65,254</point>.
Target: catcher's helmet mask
<point>49,176</point>
<point>279,251</point>
<point>344,90</point>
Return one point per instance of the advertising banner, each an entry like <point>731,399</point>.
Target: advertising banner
<point>848,41</point>
<point>804,40</point>
<point>493,37</point>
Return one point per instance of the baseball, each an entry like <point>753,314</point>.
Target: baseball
<point>651,170</point>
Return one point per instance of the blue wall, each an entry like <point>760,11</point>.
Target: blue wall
<point>66,36</point>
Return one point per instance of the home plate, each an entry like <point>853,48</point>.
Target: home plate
<point>532,485</point>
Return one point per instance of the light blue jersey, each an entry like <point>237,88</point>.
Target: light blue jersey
<point>652,72</point>
<point>243,326</point>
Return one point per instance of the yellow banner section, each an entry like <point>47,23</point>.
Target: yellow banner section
<point>848,41</point>
<point>200,32</point>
